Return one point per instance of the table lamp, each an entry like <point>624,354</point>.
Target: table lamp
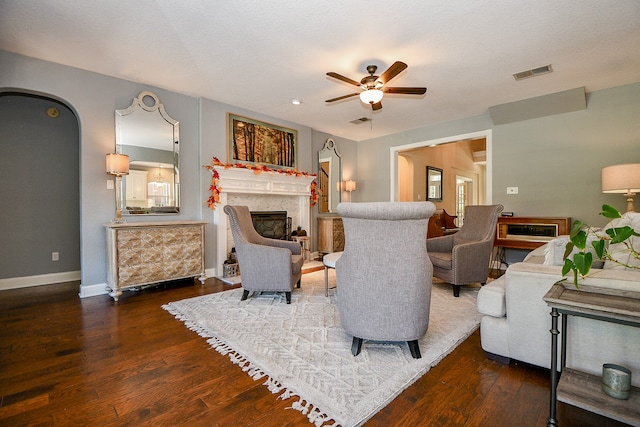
<point>623,179</point>
<point>118,165</point>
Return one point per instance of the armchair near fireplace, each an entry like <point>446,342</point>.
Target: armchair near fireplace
<point>265,264</point>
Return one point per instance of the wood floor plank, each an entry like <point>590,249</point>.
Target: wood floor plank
<point>66,361</point>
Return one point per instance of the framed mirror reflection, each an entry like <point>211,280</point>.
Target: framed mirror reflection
<point>150,137</point>
<point>434,184</point>
<point>329,177</point>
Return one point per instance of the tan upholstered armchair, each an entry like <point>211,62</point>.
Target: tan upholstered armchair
<point>384,274</point>
<point>463,257</point>
<point>265,264</point>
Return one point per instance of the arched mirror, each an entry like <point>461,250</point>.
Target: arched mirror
<point>329,177</point>
<point>150,138</point>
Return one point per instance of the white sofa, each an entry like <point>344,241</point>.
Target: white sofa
<point>517,321</point>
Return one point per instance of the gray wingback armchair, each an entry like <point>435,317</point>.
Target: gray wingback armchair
<point>384,274</point>
<point>265,264</point>
<point>463,257</point>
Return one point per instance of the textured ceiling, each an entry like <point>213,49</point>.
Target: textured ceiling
<point>258,54</point>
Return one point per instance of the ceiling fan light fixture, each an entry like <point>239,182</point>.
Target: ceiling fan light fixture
<point>371,96</point>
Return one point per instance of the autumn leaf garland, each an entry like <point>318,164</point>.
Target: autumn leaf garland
<point>215,188</point>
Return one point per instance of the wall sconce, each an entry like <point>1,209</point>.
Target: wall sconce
<point>346,186</point>
<point>623,179</point>
<point>350,186</point>
<point>118,165</point>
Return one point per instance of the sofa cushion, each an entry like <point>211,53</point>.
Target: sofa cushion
<point>537,255</point>
<point>296,263</point>
<point>491,300</point>
<point>441,259</point>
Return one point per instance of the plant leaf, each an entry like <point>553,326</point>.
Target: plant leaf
<point>609,211</point>
<point>580,240</point>
<point>620,234</point>
<point>575,228</point>
<point>567,267</point>
<point>568,249</point>
<point>599,246</point>
<point>583,262</point>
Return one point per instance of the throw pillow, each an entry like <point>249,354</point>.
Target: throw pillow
<point>554,252</point>
<point>619,251</point>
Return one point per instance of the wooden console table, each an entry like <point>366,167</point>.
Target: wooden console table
<point>578,388</point>
<point>330,234</point>
<point>529,232</point>
<point>144,253</point>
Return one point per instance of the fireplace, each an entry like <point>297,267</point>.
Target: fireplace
<point>272,224</point>
<point>267,191</point>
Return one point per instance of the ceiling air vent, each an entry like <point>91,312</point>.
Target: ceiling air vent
<point>360,120</point>
<point>534,72</point>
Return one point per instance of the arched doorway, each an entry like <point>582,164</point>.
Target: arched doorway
<point>40,191</point>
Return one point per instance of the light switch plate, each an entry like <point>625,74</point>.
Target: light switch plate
<point>512,190</point>
<point>110,184</point>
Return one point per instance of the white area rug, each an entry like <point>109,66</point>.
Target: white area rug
<point>300,350</point>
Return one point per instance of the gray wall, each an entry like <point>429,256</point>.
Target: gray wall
<point>94,98</point>
<point>39,187</point>
<point>555,161</point>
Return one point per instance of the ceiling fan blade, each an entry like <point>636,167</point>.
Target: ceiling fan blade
<point>406,90</point>
<point>342,97</point>
<point>395,69</point>
<point>376,106</point>
<point>343,78</point>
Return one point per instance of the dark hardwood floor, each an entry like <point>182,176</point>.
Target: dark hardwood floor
<point>66,361</point>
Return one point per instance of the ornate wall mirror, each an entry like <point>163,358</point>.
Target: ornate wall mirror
<point>150,138</point>
<point>434,184</point>
<point>329,177</point>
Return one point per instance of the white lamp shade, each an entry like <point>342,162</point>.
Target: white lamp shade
<point>350,185</point>
<point>621,178</point>
<point>117,164</point>
<point>371,96</point>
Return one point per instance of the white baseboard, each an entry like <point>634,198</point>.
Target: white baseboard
<point>93,290</point>
<point>38,280</point>
<point>210,272</point>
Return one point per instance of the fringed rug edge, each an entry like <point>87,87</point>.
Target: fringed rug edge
<point>313,413</point>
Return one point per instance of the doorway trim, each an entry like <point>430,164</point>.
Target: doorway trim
<point>487,134</point>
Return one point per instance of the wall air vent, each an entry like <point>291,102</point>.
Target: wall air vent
<point>360,120</point>
<point>534,72</point>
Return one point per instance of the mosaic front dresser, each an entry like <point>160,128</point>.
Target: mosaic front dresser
<point>145,253</point>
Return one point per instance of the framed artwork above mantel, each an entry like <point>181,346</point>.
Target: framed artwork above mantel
<point>256,142</point>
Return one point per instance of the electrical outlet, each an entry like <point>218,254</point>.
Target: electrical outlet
<point>55,256</point>
<point>512,190</point>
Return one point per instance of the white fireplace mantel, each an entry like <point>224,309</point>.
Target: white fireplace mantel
<point>244,184</point>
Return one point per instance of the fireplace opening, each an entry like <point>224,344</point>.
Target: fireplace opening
<point>272,224</point>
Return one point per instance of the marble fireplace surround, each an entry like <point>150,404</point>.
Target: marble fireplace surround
<point>266,191</point>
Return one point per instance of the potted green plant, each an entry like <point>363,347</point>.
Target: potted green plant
<point>578,256</point>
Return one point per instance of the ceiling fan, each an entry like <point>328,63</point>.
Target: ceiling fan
<point>373,87</point>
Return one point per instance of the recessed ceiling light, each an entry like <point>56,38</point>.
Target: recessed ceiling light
<point>296,102</point>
